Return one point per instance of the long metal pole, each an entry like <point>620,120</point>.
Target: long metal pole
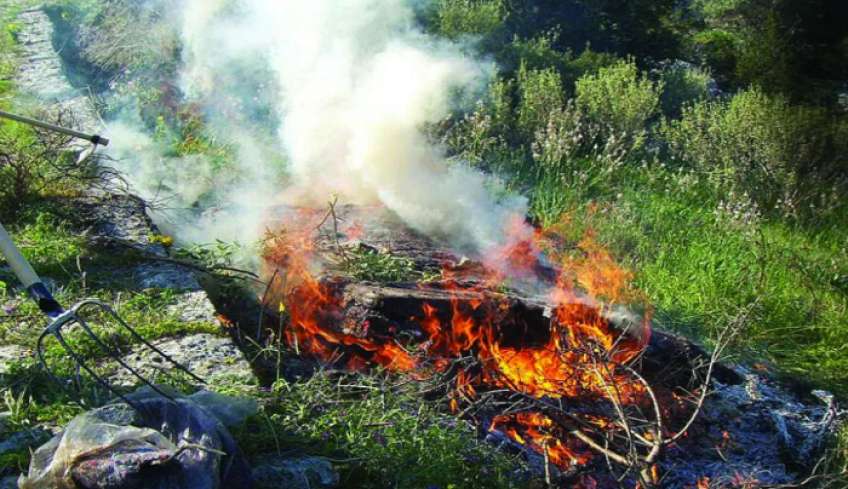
<point>94,138</point>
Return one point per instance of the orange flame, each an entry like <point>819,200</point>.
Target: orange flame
<point>543,435</point>
<point>580,356</point>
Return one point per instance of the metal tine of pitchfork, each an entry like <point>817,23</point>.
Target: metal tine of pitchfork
<point>79,361</point>
<point>74,318</point>
<point>62,319</point>
<point>118,319</point>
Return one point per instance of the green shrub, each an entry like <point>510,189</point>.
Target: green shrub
<point>540,53</point>
<point>480,134</point>
<point>684,84</point>
<point>765,57</point>
<point>717,48</point>
<point>146,42</point>
<point>781,155</point>
<point>456,18</point>
<point>576,150</point>
<point>588,62</point>
<point>37,164</point>
<point>500,103</point>
<point>619,97</point>
<point>536,53</point>
<point>539,93</point>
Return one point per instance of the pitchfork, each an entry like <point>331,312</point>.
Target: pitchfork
<point>62,319</point>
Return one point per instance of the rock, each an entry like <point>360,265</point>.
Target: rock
<point>158,275</point>
<point>24,440</point>
<point>41,73</point>
<point>10,354</point>
<point>194,307</point>
<point>295,473</point>
<point>213,358</point>
<point>119,221</point>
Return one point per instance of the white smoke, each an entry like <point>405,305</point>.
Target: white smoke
<point>350,84</point>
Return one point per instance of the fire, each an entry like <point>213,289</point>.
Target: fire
<point>580,357</point>
<point>313,304</point>
<point>543,435</point>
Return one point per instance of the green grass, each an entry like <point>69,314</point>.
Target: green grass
<point>698,268</point>
<point>8,51</point>
<point>380,433</point>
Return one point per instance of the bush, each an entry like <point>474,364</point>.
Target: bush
<point>717,49</point>
<point>540,92</point>
<point>588,62</point>
<point>21,165</point>
<point>481,135</point>
<point>145,39</point>
<point>576,150</point>
<point>619,97</point>
<point>783,156</point>
<point>684,84</point>
<point>457,18</point>
<point>538,52</point>
<point>766,57</point>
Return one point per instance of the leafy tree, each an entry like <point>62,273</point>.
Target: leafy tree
<point>784,46</point>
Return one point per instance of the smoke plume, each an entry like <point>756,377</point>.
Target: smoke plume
<point>342,90</point>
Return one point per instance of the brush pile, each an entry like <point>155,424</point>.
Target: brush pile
<point>539,349</point>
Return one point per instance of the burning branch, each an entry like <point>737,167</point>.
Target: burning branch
<point>561,377</point>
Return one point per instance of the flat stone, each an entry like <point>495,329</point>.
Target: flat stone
<point>215,359</point>
<point>10,354</point>
<point>194,307</point>
<point>273,472</point>
<point>41,72</point>
<point>119,221</point>
<point>161,275</point>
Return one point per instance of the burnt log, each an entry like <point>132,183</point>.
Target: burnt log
<point>669,359</point>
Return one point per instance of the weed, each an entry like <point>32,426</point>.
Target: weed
<point>384,435</point>
<point>374,266</point>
